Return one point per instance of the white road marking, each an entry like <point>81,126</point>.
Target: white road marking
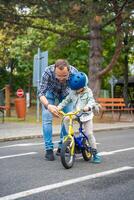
<point>105,153</point>
<point>64,183</point>
<point>28,144</point>
<point>21,145</point>
<point>25,144</point>
<point>18,155</point>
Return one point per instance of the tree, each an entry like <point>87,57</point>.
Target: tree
<point>75,20</point>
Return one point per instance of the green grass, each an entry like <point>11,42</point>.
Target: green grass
<point>32,118</point>
<point>29,118</point>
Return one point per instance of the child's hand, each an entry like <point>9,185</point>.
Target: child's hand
<point>58,108</point>
<point>86,109</point>
<point>97,108</point>
<point>100,107</point>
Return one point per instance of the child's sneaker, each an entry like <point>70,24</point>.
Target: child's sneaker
<point>96,159</point>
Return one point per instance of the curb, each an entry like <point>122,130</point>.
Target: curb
<point>57,134</point>
<point>114,128</point>
<point>20,138</point>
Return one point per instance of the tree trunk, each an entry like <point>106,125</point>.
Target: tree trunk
<point>11,67</point>
<point>95,70</point>
<point>95,56</point>
<point>125,88</point>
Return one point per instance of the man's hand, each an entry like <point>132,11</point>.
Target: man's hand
<point>54,110</point>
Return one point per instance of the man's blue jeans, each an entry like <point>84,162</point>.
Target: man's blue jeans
<point>47,119</point>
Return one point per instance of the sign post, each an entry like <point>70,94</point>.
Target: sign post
<point>38,85</point>
<point>40,63</point>
<point>112,82</point>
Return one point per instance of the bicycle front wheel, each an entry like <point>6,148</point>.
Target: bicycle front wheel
<point>67,156</point>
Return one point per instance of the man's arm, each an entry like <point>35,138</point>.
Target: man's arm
<point>43,89</point>
<point>52,108</point>
<point>44,101</point>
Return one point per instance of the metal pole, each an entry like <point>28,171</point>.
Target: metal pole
<point>38,85</point>
<point>112,90</point>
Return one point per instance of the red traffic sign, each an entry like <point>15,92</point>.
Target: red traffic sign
<point>20,93</point>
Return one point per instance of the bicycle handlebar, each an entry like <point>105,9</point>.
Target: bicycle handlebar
<point>69,113</point>
<point>77,113</point>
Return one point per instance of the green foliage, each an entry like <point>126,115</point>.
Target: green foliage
<point>4,76</point>
<point>62,28</point>
<point>76,52</point>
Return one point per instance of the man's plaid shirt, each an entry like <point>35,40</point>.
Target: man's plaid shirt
<point>51,83</point>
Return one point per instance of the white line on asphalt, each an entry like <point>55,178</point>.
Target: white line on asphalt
<point>64,183</point>
<point>105,153</point>
<point>21,145</point>
<point>17,155</point>
<point>27,144</point>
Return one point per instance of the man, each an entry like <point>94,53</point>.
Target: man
<point>54,88</point>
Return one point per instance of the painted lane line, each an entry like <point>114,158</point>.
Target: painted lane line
<point>28,144</point>
<point>25,144</point>
<point>18,155</point>
<point>105,153</point>
<point>79,157</point>
<point>64,183</point>
<point>21,145</point>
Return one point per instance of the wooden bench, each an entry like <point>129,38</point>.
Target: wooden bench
<point>114,105</point>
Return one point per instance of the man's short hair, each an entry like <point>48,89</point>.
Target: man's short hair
<point>61,64</point>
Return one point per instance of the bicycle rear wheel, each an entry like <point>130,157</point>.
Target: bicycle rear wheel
<point>86,151</point>
<point>67,158</point>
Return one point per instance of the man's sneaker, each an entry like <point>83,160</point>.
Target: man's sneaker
<point>96,159</point>
<point>49,155</point>
<point>58,152</point>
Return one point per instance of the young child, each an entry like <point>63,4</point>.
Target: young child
<point>82,99</point>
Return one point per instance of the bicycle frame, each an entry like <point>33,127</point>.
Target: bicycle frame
<point>81,135</point>
<point>71,130</point>
<point>73,144</point>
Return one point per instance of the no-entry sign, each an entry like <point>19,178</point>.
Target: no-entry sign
<point>20,93</point>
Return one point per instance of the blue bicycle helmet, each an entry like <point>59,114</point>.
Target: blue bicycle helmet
<point>77,80</point>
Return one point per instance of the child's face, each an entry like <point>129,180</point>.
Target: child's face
<point>80,90</point>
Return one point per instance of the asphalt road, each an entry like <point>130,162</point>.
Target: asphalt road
<point>25,174</point>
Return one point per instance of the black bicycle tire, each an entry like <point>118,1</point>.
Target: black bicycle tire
<point>63,151</point>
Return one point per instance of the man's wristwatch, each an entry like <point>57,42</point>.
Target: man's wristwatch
<point>46,106</point>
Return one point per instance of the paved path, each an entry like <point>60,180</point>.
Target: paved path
<point>14,131</point>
